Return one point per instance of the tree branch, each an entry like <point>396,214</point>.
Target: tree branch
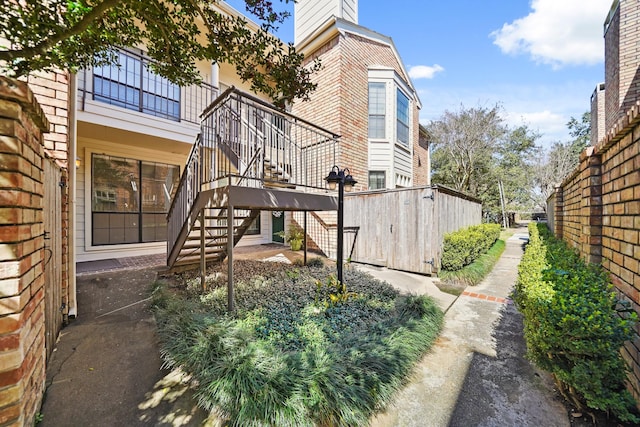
<point>46,44</point>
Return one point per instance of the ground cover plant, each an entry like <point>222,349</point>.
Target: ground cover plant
<point>299,350</point>
<point>574,325</point>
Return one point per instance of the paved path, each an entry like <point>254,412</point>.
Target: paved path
<point>106,367</point>
<point>476,374</point>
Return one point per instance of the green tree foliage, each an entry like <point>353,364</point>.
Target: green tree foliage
<point>581,132</point>
<point>473,150</point>
<point>64,34</point>
<point>556,163</point>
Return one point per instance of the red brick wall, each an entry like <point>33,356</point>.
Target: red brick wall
<point>52,92</point>
<point>599,212</point>
<point>22,348</point>
<point>582,207</point>
<point>421,160</point>
<point>340,104</point>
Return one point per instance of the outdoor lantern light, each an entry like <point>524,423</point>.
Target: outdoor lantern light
<point>345,182</point>
<point>349,182</point>
<point>333,178</point>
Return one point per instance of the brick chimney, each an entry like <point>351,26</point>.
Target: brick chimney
<point>622,53</point>
<point>598,129</point>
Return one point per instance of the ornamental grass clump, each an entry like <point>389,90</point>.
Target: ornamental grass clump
<point>291,355</point>
<point>574,325</point>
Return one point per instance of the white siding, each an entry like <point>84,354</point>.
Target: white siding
<point>402,167</point>
<point>265,232</point>
<point>309,15</point>
<point>379,155</point>
<point>350,10</point>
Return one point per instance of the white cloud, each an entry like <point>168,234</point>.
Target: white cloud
<point>550,123</point>
<point>557,32</point>
<point>424,71</point>
<point>543,108</point>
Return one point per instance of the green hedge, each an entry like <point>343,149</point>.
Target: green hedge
<point>464,246</point>
<point>573,324</point>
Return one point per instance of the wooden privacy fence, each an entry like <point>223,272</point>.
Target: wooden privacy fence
<point>52,216</point>
<point>404,229</point>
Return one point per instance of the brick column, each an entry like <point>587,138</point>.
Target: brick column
<point>592,223</point>
<point>558,214</point>
<point>22,347</point>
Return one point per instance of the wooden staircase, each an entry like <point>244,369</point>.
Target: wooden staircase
<point>248,157</point>
<point>276,175</point>
<point>213,236</point>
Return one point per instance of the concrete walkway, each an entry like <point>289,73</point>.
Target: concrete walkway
<point>106,369</point>
<point>476,374</point>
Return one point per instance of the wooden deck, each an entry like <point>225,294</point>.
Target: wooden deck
<point>273,199</point>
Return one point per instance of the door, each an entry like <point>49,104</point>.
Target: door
<point>409,241</point>
<point>277,226</point>
<point>52,216</point>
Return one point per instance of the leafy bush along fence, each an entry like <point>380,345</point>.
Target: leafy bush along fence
<point>464,246</point>
<point>574,326</point>
<point>292,355</point>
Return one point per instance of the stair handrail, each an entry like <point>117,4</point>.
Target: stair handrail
<point>246,135</point>
<point>265,105</point>
<point>251,162</point>
<point>190,159</point>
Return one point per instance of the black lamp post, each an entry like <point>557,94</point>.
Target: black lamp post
<point>345,182</point>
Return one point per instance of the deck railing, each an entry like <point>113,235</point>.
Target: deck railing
<point>238,125</point>
<point>246,142</point>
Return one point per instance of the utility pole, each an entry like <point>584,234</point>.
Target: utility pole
<point>504,213</point>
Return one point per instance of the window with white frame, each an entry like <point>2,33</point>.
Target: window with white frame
<point>402,118</point>
<point>377,110</point>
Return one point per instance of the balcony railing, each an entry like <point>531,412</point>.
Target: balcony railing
<point>134,86</point>
<point>246,142</point>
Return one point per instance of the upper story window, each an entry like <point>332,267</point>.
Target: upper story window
<point>132,85</point>
<point>377,110</point>
<point>402,118</point>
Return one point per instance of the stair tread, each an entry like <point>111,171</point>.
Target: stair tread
<point>193,244</point>
<point>210,251</point>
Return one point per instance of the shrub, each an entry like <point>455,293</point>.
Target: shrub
<point>574,326</point>
<point>311,262</point>
<point>473,273</point>
<point>464,246</point>
<point>283,359</point>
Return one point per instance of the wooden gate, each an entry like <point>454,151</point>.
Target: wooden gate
<point>404,229</point>
<point>52,215</point>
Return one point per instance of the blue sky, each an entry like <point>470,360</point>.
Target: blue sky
<point>540,59</point>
